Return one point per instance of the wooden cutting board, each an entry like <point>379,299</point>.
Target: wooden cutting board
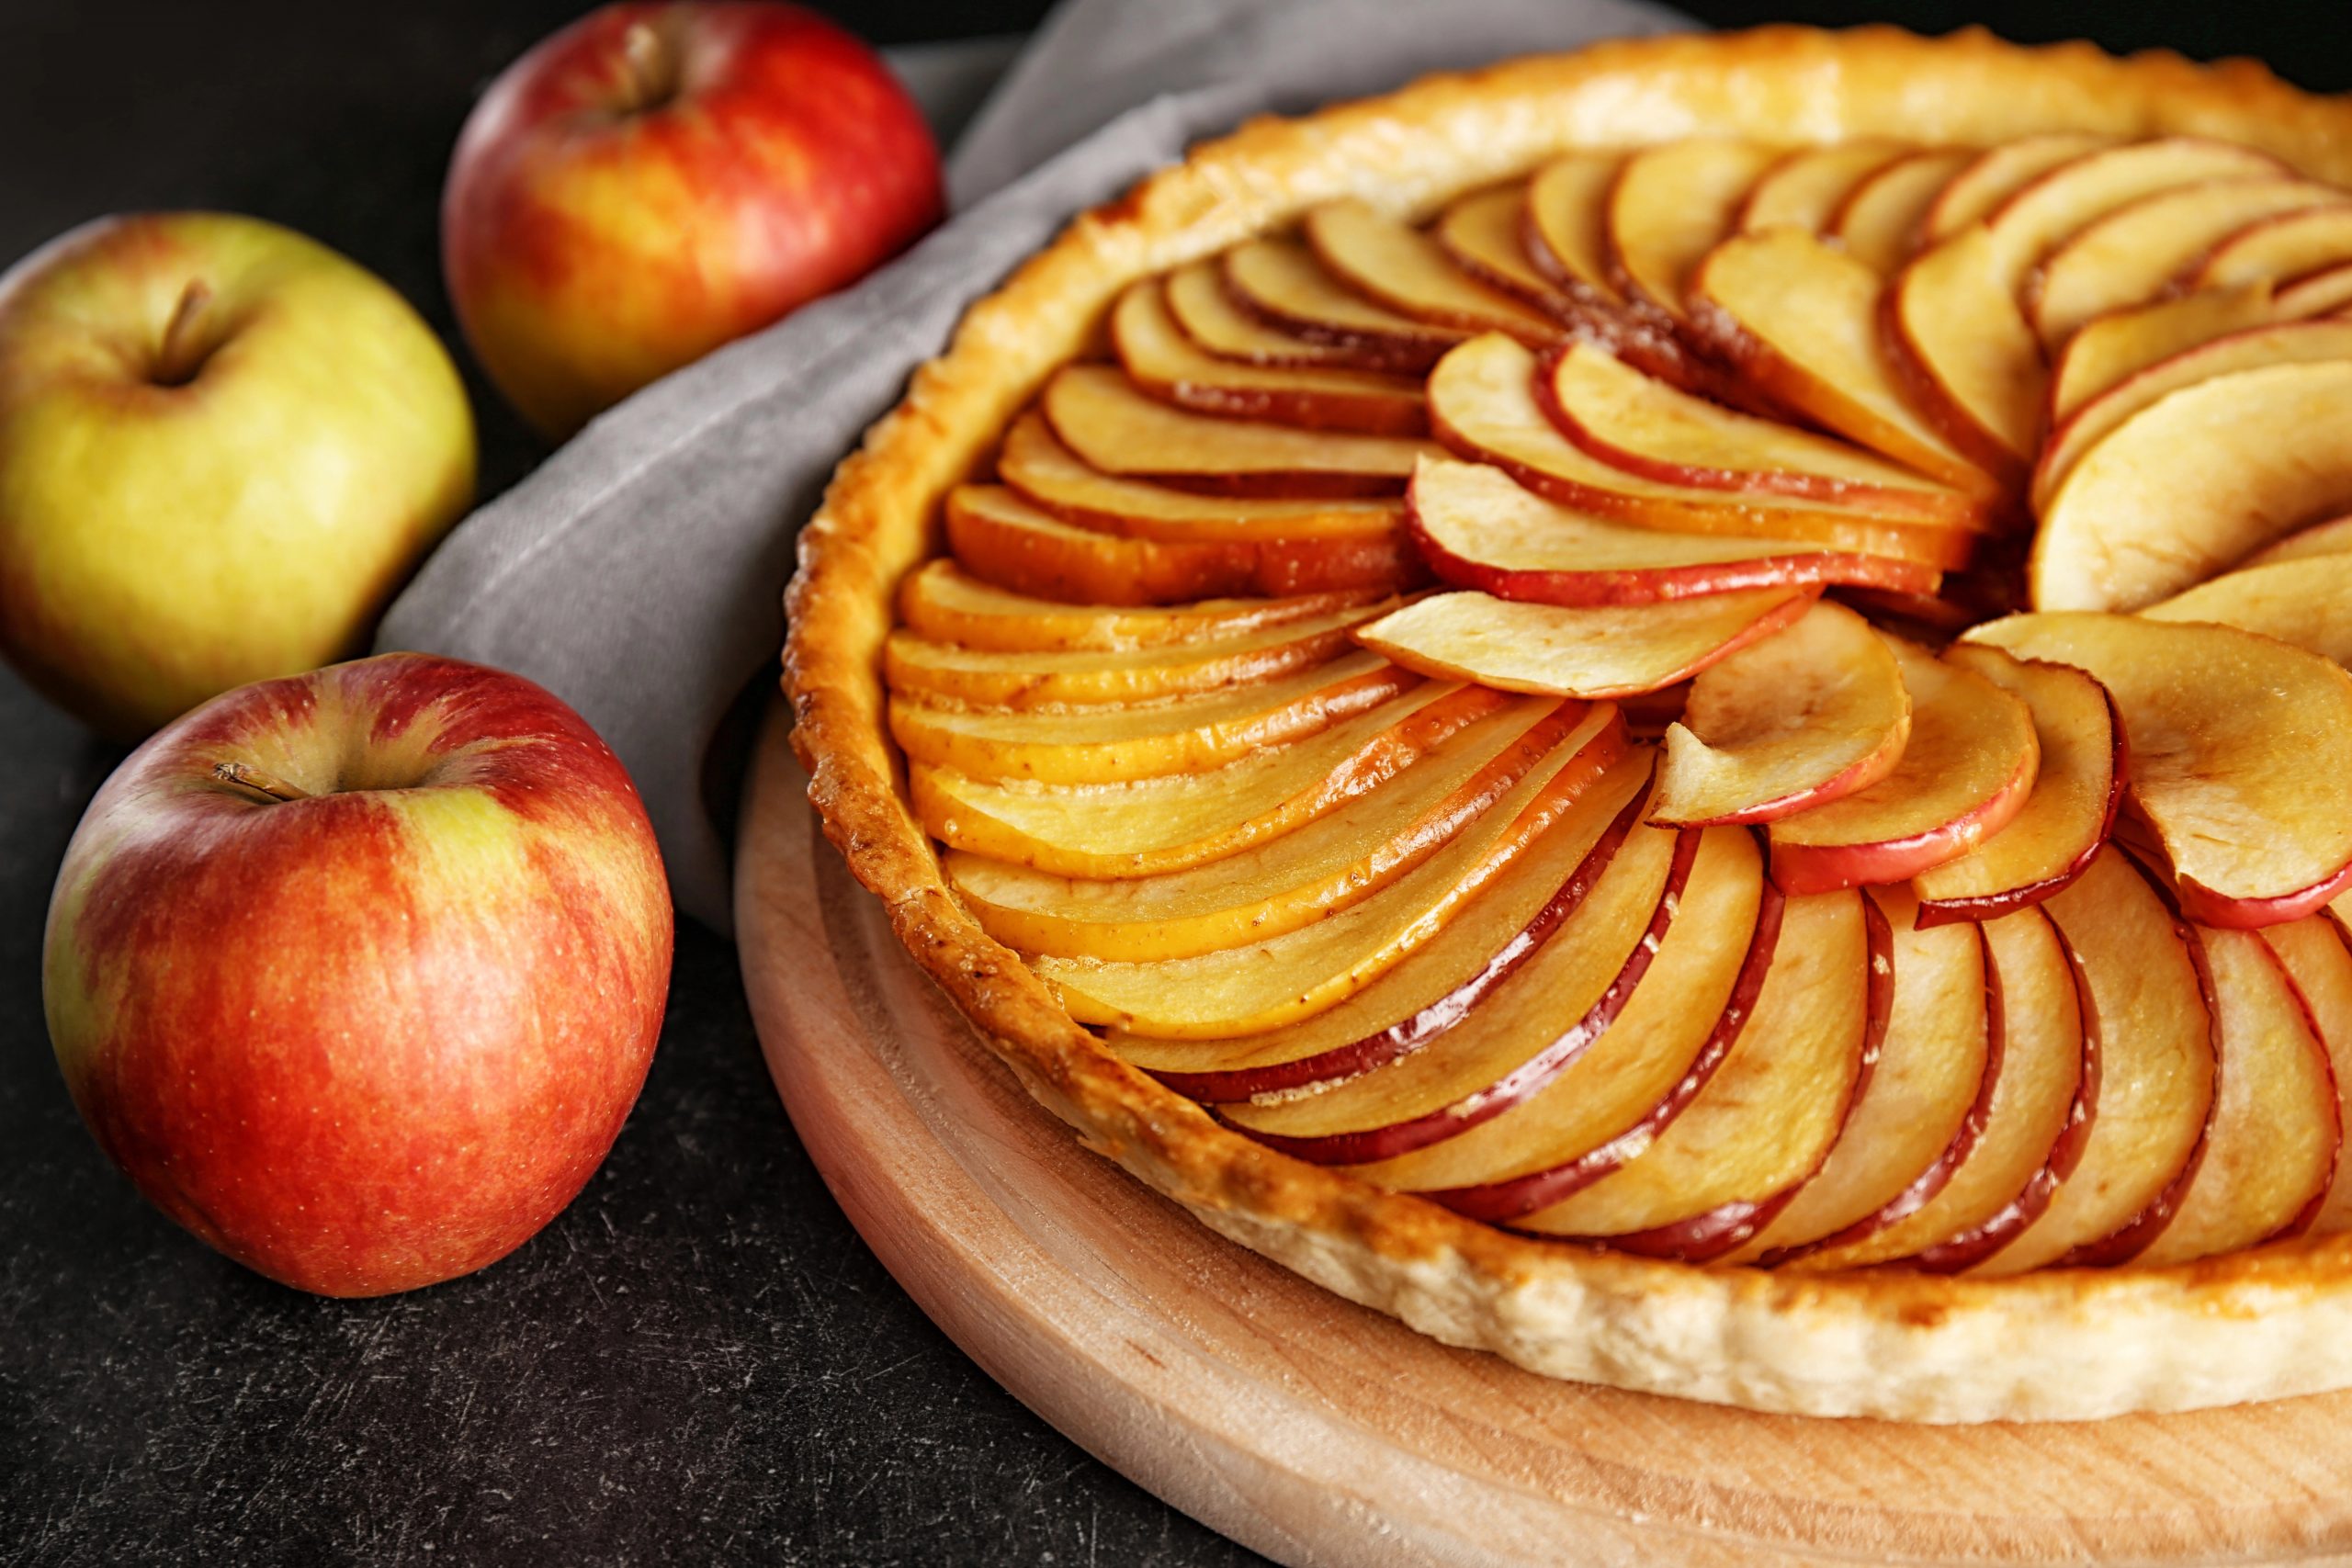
<point>1320,1432</point>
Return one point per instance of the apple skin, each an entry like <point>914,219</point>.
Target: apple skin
<point>375,1038</point>
<point>183,513</point>
<point>655,180</point>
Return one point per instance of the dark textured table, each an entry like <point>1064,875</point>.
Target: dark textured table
<point>698,1360</point>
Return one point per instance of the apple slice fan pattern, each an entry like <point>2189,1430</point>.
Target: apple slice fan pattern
<point>1708,748</point>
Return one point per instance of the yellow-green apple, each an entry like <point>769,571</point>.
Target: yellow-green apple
<point>356,974</point>
<point>656,179</point>
<point>222,449</point>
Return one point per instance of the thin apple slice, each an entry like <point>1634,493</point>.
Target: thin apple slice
<point>2327,292</point>
<point>1925,1105</point>
<point>941,600</point>
<point>2306,603</point>
<point>1814,712</point>
<point>1438,986</point>
<point>2132,255</point>
<point>1808,187</point>
<point>2145,1010</point>
<point>2333,537</point>
<point>1206,311</point>
<point>1530,1031</point>
<point>1642,1071</point>
<point>1480,529</point>
<point>1003,539</point>
<point>2194,483</point>
<point>1409,272</point>
<point>2241,754</point>
<point>2319,966</point>
<point>2278,250</point>
<point>1961,347</point>
<point>2286,343</point>
<point>1486,401</point>
<point>1281,283</point>
<point>1113,427</point>
<point>1965,774</point>
<point>1568,225</point>
<point>1485,234</point>
<point>2018,1139</point>
<point>2275,1133</point>
<point>1595,652</point>
<point>1995,175</point>
<point>1671,205</point>
<point>1750,1140</point>
<point>1649,428</point>
<point>1161,359</point>
<point>1147,826</point>
<point>1338,859</point>
<point>2113,348</point>
<point>1801,318</point>
<point>2076,789</point>
<point>1049,476</point>
<point>1186,735</point>
<point>1248,990</point>
<point>1878,225</point>
<point>2044,213</point>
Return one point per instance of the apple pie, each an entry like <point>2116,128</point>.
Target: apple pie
<point>1675,711</point>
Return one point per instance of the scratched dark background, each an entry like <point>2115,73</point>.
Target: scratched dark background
<point>698,1361</point>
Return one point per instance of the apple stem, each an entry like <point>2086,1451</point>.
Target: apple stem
<point>181,356</point>
<point>653,69</point>
<point>257,780</point>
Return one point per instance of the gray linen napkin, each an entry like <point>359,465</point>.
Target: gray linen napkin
<point>638,573</point>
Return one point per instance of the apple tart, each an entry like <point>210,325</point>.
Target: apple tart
<point>1675,711</point>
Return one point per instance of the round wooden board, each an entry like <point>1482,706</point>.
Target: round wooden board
<point>1321,1432</point>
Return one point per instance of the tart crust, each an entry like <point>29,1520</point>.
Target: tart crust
<point>2056,1345</point>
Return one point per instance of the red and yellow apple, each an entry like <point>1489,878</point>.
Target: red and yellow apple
<point>356,974</point>
<point>223,447</point>
<point>658,179</point>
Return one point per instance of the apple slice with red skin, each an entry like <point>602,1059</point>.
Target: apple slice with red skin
<point>1438,986</point>
<point>2278,250</point>
<point>1960,348</point>
<point>2038,216</point>
<point>1924,1108</point>
<point>1965,774</point>
<point>1994,175</point>
<point>2333,537</point>
<point>2076,789</point>
<point>1649,428</point>
<point>1668,206</point>
<point>2319,966</point>
<point>2111,349</point>
<point>941,600</point>
<point>1477,528</point>
<point>2152,1038</point>
<point>1003,539</point>
<point>1112,426</point>
<point>1567,226</point>
<point>1208,315</point>
<point>1407,270</point>
<point>2241,752</point>
<point>1526,1033</point>
<point>1748,1142</point>
<point>2327,292</point>
<point>1807,188</point>
<point>1488,403</point>
<point>1161,359</point>
<point>2018,1139</point>
<point>1878,223</point>
<point>2307,603</point>
<point>1596,652</point>
<point>1485,234</point>
<point>1283,284</point>
<point>1814,712</point>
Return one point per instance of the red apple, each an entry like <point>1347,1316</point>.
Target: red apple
<point>356,974</point>
<point>658,179</point>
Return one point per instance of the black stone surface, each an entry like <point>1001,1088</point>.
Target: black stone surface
<point>698,1361</point>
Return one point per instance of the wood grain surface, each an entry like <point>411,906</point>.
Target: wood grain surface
<point>1323,1433</point>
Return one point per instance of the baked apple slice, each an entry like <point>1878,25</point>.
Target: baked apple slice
<point>1480,529</point>
<point>1962,350</point>
<point>1567,226</point>
<point>1878,225</point>
<point>1252,990</point>
<point>2240,750</point>
<point>1965,774</point>
<point>1810,713</point>
<point>1801,318</point>
<point>1147,826</point>
<point>1992,176</point>
<point>1160,358</point>
<point>2115,347</point>
<point>1750,1139</point>
<point>2145,1010</point>
<point>2307,603</point>
<point>1283,284</point>
<point>1919,1117</point>
<point>2319,966</point>
<point>2194,483</point>
<point>1003,539</point>
<point>1807,188</point>
<point>1330,863</point>
<point>2327,292</point>
<point>1209,315</point>
<point>2333,537</point>
<point>1668,206</point>
<point>1485,234</point>
<point>1486,402</point>
<point>2278,250</point>
<point>2076,788</point>
<point>1409,272</point>
<point>1102,745</point>
<point>1113,427</point>
<point>941,600</point>
<point>1595,652</point>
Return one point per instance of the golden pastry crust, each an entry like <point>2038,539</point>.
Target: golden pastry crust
<point>2056,1345</point>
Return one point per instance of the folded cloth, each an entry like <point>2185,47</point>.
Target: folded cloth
<point>638,572</point>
